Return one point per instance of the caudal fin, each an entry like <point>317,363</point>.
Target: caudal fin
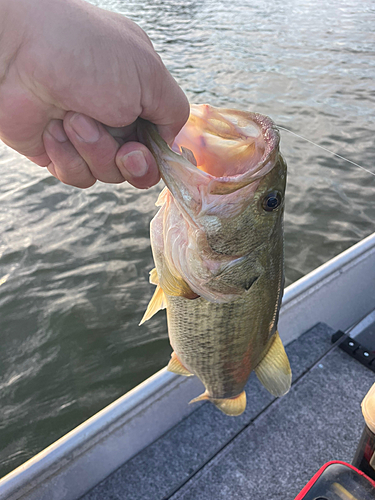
<point>274,370</point>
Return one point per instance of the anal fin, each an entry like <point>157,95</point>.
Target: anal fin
<point>230,406</point>
<point>274,370</point>
<point>202,397</point>
<point>175,366</point>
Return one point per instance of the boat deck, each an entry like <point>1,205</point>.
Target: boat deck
<point>270,451</point>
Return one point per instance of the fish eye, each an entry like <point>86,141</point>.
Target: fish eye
<point>271,201</point>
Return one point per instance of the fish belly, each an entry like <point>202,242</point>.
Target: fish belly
<point>219,343</point>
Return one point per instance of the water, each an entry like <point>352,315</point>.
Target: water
<point>74,264</point>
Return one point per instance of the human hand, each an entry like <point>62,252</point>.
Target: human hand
<point>66,69</point>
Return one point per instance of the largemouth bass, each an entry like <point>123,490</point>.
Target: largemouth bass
<point>217,243</point>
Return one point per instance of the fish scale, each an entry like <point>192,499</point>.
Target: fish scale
<point>209,340</point>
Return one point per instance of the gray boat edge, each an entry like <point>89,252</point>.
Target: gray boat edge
<point>340,293</point>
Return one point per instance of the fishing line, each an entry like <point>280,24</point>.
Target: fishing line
<point>328,151</point>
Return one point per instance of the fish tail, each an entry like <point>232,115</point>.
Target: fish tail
<point>274,370</point>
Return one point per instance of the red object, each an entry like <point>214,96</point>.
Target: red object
<point>316,476</point>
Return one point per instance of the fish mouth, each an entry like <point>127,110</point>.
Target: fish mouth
<point>217,152</point>
<point>226,143</point>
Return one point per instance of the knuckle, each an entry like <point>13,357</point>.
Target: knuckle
<point>76,173</point>
<point>75,166</point>
<point>82,183</point>
<point>101,161</point>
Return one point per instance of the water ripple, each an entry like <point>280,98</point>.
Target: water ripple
<point>74,264</point>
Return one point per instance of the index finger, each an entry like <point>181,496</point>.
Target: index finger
<point>168,108</point>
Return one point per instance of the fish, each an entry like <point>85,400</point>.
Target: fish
<point>218,249</point>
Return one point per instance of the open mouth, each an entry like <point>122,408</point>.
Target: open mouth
<point>225,143</point>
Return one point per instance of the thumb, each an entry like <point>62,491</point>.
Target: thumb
<point>137,165</point>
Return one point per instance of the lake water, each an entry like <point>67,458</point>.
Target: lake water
<point>74,264</point>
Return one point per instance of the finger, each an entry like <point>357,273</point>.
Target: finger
<point>123,134</point>
<point>169,126</point>
<point>67,165</point>
<point>164,103</point>
<point>51,169</point>
<point>137,165</point>
<point>22,121</point>
<point>42,160</point>
<point>95,145</point>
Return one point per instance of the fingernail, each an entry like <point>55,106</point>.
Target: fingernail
<point>55,128</point>
<point>84,127</point>
<point>135,163</point>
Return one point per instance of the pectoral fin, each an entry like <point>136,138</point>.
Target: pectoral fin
<point>154,278</point>
<point>156,303</point>
<point>168,284</point>
<point>175,366</point>
<point>274,370</point>
<point>174,285</point>
<point>162,197</point>
<point>230,406</point>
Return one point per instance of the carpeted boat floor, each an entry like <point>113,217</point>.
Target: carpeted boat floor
<point>268,453</point>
